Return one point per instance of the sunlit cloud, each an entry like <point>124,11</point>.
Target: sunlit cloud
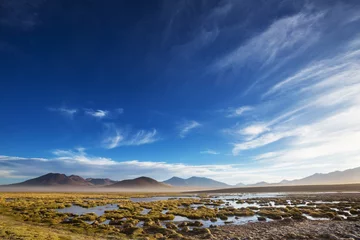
<point>320,123</point>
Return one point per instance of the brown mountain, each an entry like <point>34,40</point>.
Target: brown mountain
<point>141,182</point>
<point>55,179</point>
<point>101,181</point>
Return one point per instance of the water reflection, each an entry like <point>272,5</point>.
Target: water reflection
<point>99,210</point>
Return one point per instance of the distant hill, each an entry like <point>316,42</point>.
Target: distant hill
<point>347,176</point>
<point>338,177</point>
<point>259,184</point>
<point>240,185</point>
<point>100,181</point>
<point>141,182</point>
<point>55,179</point>
<point>195,182</point>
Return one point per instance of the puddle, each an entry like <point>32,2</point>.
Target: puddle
<point>154,199</point>
<point>99,210</point>
<point>314,218</point>
<point>140,224</point>
<point>106,222</point>
<point>145,211</point>
<point>206,223</point>
<point>247,196</point>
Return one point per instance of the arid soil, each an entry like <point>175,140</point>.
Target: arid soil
<point>290,229</point>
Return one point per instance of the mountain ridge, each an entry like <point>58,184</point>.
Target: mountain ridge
<point>59,179</point>
<point>347,176</point>
<point>100,181</point>
<point>142,182</point>
<point>55,179</point>
<point>195,182</point>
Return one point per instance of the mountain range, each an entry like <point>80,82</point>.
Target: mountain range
<point>55,179</point>
<point>100,181</point>
<point>337,177</point>
<point>195,182</point>
<point>144,182</point>
<point>58,179</point>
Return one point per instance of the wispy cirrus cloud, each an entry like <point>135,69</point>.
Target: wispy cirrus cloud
<point>186,126</point>
<point>319,124</point>
<point>210,151</point>
<point>70,112</point>
<point>97,113</point>
<point>236,112</point>
<point>116,137</point>
<point>102,114</point>
<point>279,40</point>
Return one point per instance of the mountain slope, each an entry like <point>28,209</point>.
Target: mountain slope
<point>176,181</point>
<point>55,179</point>
<point>141,182</point>
<point>100,181</point>
<point>337,177</point>
<point>195,182</point>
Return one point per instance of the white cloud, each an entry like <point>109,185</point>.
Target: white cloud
<point>209,151</point>
<point>97,113</point>
<point>80,163</point>
<point>70,112</point>
<point>187,126</point>
<point>239,111</point>
<point>142,137</point>
<point>79,155</point>
<point>278,40</point>
<point>113,140</point>
<point>254,130</point>
<point>319,125</point>
<point>115,137</point>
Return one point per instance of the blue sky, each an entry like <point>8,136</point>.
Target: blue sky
<point>238,91</point>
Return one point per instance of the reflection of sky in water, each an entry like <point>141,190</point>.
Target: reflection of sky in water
<point>247,195</point>
<point>140,224</point>
<point>206,223</point>
<point>99,210</point>
<point>145,211</point>
<point>153,199</point>
<point>314,218</point>
<point>105,222</point>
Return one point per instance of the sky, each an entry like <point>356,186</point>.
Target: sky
<point>238,91</point>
